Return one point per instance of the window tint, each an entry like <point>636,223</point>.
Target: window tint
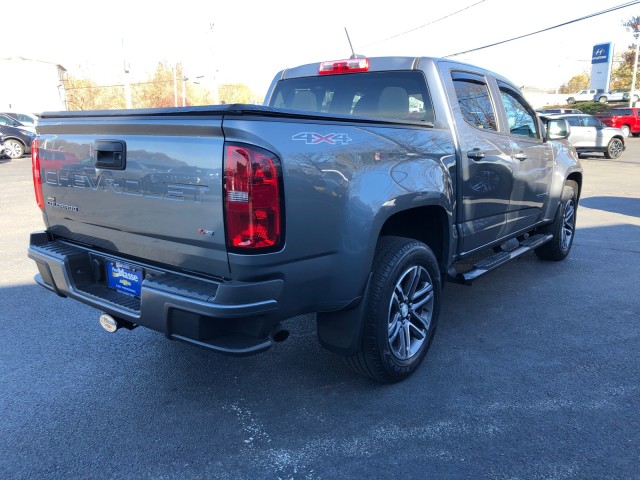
<point>521,118</point>
<point>474,100</point>
<point>402,96</point>
<point>590,122</point>
<point>573,121</point>
<point>622,111</point>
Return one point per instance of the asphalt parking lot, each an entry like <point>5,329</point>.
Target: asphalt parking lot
<point>533,374</point>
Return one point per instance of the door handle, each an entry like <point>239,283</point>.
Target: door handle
<point>475,154</point>
<point>520,156</point>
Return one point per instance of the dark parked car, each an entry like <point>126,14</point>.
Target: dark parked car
<point>17,140</point>
<point>25,119</point>
<point>8,121</point>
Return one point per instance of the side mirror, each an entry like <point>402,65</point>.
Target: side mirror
<point>557,129</point>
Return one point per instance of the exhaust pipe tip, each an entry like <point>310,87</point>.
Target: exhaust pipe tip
<point>112,324</point>
<point>279,334</point>
<point>109,323</point>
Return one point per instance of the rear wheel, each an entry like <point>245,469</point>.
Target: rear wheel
<point>571,100</point>
<point>625,130</point>
<point>13,148</point>
<point>563,227</point>
<point>614,149</point>
<point>602,99</point>
<point>401,313</point>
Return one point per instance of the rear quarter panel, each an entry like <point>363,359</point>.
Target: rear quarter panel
<point>341,182</point>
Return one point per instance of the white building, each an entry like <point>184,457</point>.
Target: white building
<point>31,86</point>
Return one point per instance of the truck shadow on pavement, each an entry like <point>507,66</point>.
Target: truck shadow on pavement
<point>519,352</point>
<point>622,205</point>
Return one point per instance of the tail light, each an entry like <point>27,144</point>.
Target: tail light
<point>253,204</point>
<point>37,178</point>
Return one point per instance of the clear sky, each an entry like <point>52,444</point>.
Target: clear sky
<point>249,41</point>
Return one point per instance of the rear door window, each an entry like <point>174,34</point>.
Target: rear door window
<point>474,100</point>
<point>573,121</point>
<point>590,122</point>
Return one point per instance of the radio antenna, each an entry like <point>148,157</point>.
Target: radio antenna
<point>353,54</point>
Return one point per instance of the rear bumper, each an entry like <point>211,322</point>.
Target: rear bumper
<point>229,317</point>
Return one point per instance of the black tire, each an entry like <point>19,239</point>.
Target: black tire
<point>571,100</point>
<point>635,134</point>
<point>603,99</point>
<point>397,332</point>
<point>563,227</point>
<point>614,149</point>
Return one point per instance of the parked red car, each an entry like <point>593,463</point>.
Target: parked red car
<point>626,119</point>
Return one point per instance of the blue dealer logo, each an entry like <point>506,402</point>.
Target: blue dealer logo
<point>600,54</point>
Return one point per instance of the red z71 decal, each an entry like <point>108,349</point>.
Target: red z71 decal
<point>312,138</point>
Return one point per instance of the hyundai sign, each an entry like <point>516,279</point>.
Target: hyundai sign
<point>601,64</point>
<point>601,53</point>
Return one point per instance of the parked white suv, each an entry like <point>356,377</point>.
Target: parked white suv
<point>583,96</point>
<point>588,134</point>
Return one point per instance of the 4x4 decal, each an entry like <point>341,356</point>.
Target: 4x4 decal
<point>312,138</point>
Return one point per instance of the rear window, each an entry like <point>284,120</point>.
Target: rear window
<point>621,111</point>
<point>401,96</point>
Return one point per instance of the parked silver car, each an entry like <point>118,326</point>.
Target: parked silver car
<point>612,96</point>
<point>588,134</point>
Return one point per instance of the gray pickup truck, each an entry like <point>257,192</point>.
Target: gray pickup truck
<point>355,192</point>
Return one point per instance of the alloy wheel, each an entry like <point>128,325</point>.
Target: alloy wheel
<point>410,312</point>
<point>568,225</point>
<point>13,149</point>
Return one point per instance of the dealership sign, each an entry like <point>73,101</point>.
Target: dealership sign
<point>601,53</point>
<point>601,64</point>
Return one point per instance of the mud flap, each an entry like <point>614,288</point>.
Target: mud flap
<point>341,332</point>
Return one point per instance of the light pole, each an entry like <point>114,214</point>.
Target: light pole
<point>184,88</point>
<point>127,80</point>
<point>632,94</point>
<point>175,86</point>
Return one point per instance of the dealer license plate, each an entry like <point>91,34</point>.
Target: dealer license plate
<point>124,278</point>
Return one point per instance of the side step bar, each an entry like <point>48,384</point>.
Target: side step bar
<point>498,259</point>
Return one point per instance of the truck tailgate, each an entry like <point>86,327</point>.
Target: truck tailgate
<point>145,186</point>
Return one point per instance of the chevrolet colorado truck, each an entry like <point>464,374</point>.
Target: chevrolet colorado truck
<point>354,192</point>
